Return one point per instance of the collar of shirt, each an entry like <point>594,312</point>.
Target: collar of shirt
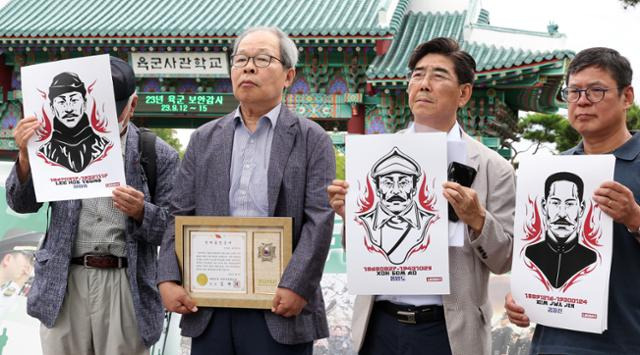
<point>560,247</point>
<point>271,115</point>
<point>454,134</point>
<point>628,151</point>
<point>410,216</point>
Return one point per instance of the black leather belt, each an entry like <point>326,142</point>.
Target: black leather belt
<point>100,261</point>
<point>411,314</point>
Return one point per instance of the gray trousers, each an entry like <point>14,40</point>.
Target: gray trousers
<point>97,316</point>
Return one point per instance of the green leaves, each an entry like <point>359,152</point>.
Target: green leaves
<point>543,128</point>
<point>633,118</point>
<point>339,164</point>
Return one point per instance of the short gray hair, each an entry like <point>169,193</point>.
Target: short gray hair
<point>288,49</point>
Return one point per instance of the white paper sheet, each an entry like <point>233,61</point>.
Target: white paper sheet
<point>77,152</point>
<point>562,242</point>
<point>396,216</point>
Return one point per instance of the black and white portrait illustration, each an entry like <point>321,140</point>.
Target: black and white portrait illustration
<point>559,256</point>
<point>397,224</point>
<point>396,218</point>
<point>76,152</point>
<point>75,142</point>
<point>562,241</point>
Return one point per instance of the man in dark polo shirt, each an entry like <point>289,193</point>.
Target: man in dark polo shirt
<point>599,93</point>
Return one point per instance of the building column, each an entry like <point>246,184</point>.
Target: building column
<point>356,122</point>
<point>5,78</point>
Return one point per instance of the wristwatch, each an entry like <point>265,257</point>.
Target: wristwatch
<point>636,232</point>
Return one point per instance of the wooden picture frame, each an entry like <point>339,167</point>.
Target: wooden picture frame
<point>234,262</point>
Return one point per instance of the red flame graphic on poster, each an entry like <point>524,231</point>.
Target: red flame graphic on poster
<point>591,234</point>
<point>366,202</point>
<point>426,197</point>
<point>372,248</point>
<point>533,228</point>
<point>533,234</point>
<point>45,129</point>
<point>98,122</point>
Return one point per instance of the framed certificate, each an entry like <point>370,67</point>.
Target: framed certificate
<point>233,262</point>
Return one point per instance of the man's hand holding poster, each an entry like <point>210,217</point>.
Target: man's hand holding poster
<point>76,152</point>
<point>396,216</point>
<point>562,242</point>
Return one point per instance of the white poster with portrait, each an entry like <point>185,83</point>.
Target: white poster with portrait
<point>76,153</point>
<point>562,242</point>
<point>396,215</point>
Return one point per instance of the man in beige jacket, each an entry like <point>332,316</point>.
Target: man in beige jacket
<point>440,83</point>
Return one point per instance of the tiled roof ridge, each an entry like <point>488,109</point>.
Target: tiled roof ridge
<point>171,18</point>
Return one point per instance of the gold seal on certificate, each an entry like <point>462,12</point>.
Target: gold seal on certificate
<point>233,261</point>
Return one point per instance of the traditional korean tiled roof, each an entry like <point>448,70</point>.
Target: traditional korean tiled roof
<point>198,18</point>
<point>418,28</point>
<point>492,57</point>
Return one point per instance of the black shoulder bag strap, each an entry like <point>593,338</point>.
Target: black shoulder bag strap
<point>147,148</point>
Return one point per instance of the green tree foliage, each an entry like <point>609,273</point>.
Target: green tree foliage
<point>627,3</point>
<point>543,129</point>
<point>540,128</point>
<point>567,137</point>
<point>339,164</point>
<point>169,135</point>
<point>633,117</point>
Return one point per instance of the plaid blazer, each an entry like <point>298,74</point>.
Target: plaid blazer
<point>142,240</point>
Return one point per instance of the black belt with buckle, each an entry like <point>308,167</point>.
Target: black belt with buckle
<point>100,261</point>
<point>412,314</point>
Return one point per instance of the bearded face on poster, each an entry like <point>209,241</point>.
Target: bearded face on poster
<point>75,142</point>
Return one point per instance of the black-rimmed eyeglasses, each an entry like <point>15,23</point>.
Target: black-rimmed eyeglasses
<point>260,60</point>
<point>594,94</point>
